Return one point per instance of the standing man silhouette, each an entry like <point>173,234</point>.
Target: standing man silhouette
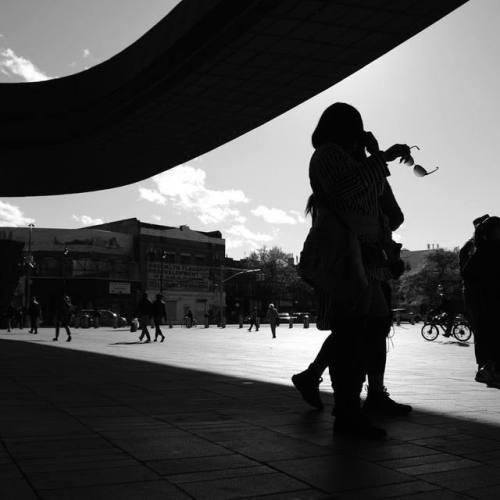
<point>272,314</point>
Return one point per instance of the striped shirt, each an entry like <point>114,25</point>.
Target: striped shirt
<point>348,185</point>
<point>354,188</point>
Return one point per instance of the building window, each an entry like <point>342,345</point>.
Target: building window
<point>185,258</point>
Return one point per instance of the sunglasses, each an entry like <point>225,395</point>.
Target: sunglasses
<point>418,170</point>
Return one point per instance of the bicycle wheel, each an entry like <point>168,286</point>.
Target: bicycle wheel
<point>429,332</point>
<point>462,332</point>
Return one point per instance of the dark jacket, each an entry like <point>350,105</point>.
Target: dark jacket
<point>34,309</point>
<point>145,307</point>
<point>64,309</point>
<point>159,310</point>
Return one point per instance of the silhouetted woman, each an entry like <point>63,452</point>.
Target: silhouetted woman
<point>347,191</point>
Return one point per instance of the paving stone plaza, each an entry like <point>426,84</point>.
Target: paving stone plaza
<point>212,414</point>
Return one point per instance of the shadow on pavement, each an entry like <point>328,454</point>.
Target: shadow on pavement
<point>78,425</point>
<point>135,342</point>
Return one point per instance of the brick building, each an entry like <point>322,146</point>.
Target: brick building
<point>179,262</point>
<point>95,267</point>
<point>107,267</point>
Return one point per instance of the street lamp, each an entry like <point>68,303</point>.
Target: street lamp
<point>65,253</point>
<point>221,287</point>
<point>29,265</point>
<point>163,258</point>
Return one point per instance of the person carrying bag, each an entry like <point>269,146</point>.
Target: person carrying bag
<point>345,255</point>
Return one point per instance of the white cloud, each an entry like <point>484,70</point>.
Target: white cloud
<point>300,217</point>
<point>238,235</point>
<point>13,65</point>
<point>275,215</point>
<point>157,218</point>
<point>214,215</point>
<point>10,215</point>
<point>152,196</point>
<point>86,220</point>
<point>86,53</point>
<point>232,243</point>
<point>185,187</point>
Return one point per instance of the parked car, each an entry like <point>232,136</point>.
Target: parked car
<point>401,315</point>
<point>283,318</point>
<point>106,317</point>
<point>299,316</point>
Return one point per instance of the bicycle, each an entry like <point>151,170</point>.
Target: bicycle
<point>461,329</point>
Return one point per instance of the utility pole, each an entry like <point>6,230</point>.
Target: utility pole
<point>63,273</point>
<point>163,257</point>
<point>221,285</point>
<point>29,266</point>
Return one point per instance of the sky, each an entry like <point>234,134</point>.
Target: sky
<point>438,90</point>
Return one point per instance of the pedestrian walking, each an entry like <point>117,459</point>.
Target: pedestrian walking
<point>272,316</point>
<point>254,320</point>
<point>63,316</point>
<point>190,318</point>
<point>348,237</point>
<point>34,312</point>
<point>144,313</point>
<point>20,315</point>
<point>159,314</point>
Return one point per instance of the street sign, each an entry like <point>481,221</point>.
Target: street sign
<point>119,288</point>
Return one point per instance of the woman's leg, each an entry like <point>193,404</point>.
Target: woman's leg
<point>307,382</point>
<point>378,399</point>
<point>273,328</point>
<point>346,364</point>
<point>347,371</point>
<point>376,352</point>
<point>322,360</point>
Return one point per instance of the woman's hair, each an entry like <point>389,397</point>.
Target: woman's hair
<point>311,206</point>
<point>340,123</point>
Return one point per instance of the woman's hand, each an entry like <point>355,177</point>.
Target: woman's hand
<point>401,151</point>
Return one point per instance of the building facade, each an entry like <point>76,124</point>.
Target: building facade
<point>95,267</point>
<point>108,266</point>
<point>180,263</point>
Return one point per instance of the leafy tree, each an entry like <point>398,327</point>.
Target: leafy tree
<point>420,285</point>
<point>279,277</point>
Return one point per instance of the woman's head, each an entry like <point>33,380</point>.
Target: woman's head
<point>341,124</point>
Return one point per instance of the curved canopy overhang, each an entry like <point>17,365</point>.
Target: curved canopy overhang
<point>210,71</point>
